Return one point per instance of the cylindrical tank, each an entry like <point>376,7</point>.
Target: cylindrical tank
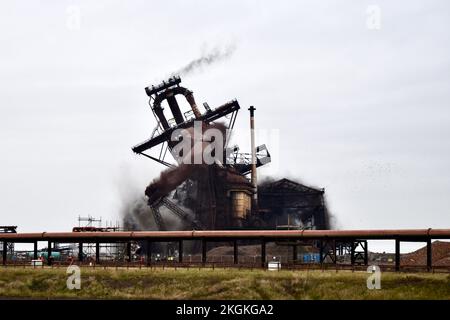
<point>240,204</point>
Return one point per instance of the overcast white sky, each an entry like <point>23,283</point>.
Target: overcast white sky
<point>364,113</point>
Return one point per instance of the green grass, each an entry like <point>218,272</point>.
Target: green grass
<point>219,284</point>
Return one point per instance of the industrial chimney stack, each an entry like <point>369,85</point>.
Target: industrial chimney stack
<point>253,162</point>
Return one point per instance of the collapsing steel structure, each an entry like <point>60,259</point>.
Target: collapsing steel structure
<point>161,134</point>
<point>220,195</point>
<point>216,196</point>
<point>330,241</point>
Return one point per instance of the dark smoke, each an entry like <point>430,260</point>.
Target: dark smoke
<point>215,55</point>
<point>133,208</point>
<point>168,180</point>
<point>171,178</point>
<point>136,215</point>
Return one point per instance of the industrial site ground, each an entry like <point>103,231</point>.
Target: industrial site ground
<point>50,283</point>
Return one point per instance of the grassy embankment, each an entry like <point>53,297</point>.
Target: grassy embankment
<point>219,284</point>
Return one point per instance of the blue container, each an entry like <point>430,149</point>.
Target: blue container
<point>311,258</point>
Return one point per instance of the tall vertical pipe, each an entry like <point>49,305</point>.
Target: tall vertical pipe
<point>253,163</point>
<point>160,114</point>
<point>191,100</point>
<point>173,105</point>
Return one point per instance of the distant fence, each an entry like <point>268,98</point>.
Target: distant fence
<point>221,262</point>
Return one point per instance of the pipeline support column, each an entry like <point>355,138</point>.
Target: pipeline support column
<point>5,252</point>
<point>429,255</point>
<point>397,255</point>
<point>235,252</point>
<point>203,251</point>
<point>128,251</point>
<point>49,253</point>
<point>35,250</point>
<point>263,253</point>
<point>180,251</point>
<point>97,252</point>
<point>149,252</point>
<point>80,252</point>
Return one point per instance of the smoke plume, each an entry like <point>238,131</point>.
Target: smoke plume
<point>215,55</point>
<point>133,210</point>
<point>168,180</point>
<point>136,214</point>
<point>171,178</point>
